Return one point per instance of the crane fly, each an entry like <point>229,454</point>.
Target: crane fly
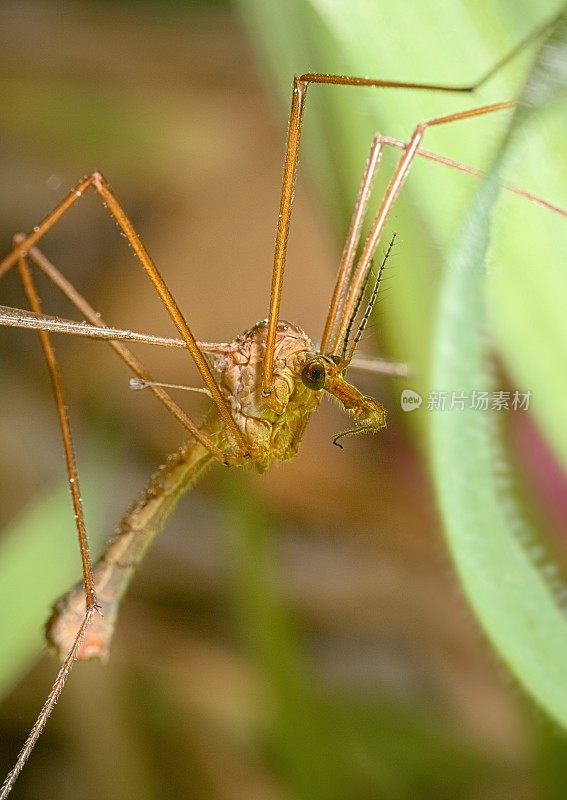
<point>263,386</point>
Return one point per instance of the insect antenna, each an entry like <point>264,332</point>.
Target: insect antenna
<point>369,307</point>
<point>355,312</point>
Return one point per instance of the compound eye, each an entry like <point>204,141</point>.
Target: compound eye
<point>314,374</point>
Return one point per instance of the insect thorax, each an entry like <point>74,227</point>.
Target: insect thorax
<point>274,424</point>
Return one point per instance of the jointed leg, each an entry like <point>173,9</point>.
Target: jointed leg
<point>298,98</point>
<point>352,240</point>
<point>338,301</point>
<point>91,605</point>
<point>77,636</point>
<point>52,366</point>
<point>339,322</point>
<point>291,161</point>
<point>47,707</point>
<point>389,141</point>
<point>123,352</point>
<point>98,182</point>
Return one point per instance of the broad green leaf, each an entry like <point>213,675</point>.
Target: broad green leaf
<point>496,554</point>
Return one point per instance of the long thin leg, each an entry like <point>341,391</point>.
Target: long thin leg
<point>389,141</point>
<point>353,238</point>
<point>339,322</point>
<point>80,302</point>
<point>147,515</point>
<point>99,183</point>
<point>361,204</point>
<point>299,93</point>
<point>64,425</point>
<point>75,641</point>
<point>47,708</point>
<point>19,318</point>
<point>91,604</point>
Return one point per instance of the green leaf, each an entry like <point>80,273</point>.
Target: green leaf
<point>496,554</point>
<point>527,292</point>
<point>39,560</point>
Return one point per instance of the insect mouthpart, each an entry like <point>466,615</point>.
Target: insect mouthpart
<point>369,414</point>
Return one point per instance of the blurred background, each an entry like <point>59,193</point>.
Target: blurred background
<point>299,634</point>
